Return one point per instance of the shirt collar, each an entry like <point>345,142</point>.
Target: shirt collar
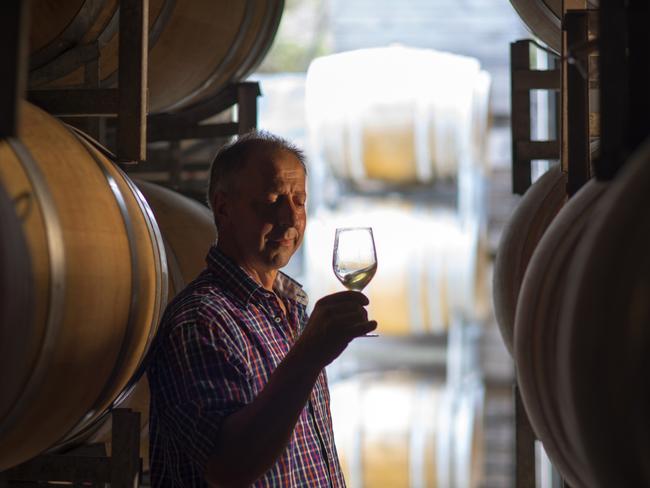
<point>243,286</point>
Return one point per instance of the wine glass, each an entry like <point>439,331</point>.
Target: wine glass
<point>355,258</point>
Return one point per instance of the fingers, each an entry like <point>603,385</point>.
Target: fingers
<point>361,329</point>
<point>352,318</point>
<point>342,297</point>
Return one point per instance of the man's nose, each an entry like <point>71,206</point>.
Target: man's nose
<point>288,214</point>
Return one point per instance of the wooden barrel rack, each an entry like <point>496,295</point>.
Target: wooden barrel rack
<point>90,465</point>
<point>579,379</point>
<point>126,106</point>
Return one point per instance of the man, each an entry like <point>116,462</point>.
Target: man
<point>238,391</point>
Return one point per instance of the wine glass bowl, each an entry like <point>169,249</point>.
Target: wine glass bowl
<point>355,258</point>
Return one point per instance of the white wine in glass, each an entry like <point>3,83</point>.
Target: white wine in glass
<point>355,258</point>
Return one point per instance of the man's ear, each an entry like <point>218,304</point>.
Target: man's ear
<point>220,207</point>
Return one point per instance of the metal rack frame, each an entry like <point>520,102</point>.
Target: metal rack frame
<point>193,123</point>
<point>574,150</point>
<point>121,470</point>
<point>127,102</point>
<point>523,80</point>
<point>576,99</point>
<point>121,110</point>
<point>14,25</point>
<point>625,75</point>
<point>187,124</point>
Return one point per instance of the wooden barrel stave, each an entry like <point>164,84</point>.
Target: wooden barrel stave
<point>543,18</point>
<point>403,429</point>
<point>186,225</point>
<point>424,133</point>
<point>28,228</point>
<point>390,452</point>
<point>196,46</point>
<point>188,230</point>
<point>526,226</point>
<point>603,334</point>
<point>543,291</point>
<point>16,302</point>
<point>54,23</point>
<point>89,330</point>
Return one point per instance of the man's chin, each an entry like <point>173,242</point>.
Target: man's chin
<point>280,256</point>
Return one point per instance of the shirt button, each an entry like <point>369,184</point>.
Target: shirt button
<point>277,320</point>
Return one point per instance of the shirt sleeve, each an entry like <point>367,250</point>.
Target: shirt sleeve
<point>210,380</point>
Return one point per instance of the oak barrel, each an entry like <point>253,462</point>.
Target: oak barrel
<point>543,18</point>
<point>604,333</point>
<point>188,231</point>
<point>401,429</point>
<point>543,291</point>
<point>539,205</point>
<point>93,271</point>
<point>431,269</point>
<point>196,47</point>
<point>398,115</point>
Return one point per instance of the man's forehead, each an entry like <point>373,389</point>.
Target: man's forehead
<point>284,179</point>
<point>279,168</point>
<point>283,174</point>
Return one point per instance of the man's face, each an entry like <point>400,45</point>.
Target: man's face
<point>263,216</point>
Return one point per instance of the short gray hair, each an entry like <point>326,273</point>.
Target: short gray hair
<point>232,158</point>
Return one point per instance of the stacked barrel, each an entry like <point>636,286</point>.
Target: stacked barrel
<point>404,131</point>
<point>89,258</point>
<point>93,283</point>
<point>431,267</point>
<point>400,430</point>
<point>570,291</point>
<point>398,115</point>
<point>578,335</point>
<point>196,47</point>
<point>398,139</point>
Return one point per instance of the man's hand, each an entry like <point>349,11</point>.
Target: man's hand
<point>334,322</point>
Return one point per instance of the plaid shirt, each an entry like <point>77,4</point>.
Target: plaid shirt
<point>219,342</point>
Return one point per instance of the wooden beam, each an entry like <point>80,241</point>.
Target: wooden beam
<point>247,94</point>
<point>14,28</point>
<point>176,167</point>
<point>166,165</point>
<point>121,470</point>
<point>577,94</point>
<point>95,126</point>
<point>61,468</point>
<point>523,79</point>
<point>226,98</point>
<point>638,36</point>
<point>524,445</point>
<point>132,105</point>
<point>529,150</point>
<point>81,102</point>
<point>614,88</point>
<point>180,133</point>
<point>125,460</point>
<point>223,100</point>
<point>520,113</point>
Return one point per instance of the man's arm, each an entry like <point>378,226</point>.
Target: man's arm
<point>251,439</point>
